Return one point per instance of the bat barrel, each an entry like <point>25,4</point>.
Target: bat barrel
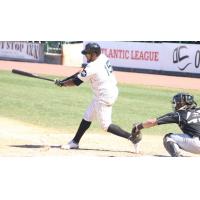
<point>23,73</point>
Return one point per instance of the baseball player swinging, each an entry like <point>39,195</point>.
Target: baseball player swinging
<point>99,73</point>
<point>187,116</point>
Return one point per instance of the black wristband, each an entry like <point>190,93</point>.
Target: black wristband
<point>140,126</point>
<point>77,81</point>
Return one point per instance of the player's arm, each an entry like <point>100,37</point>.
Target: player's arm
<point>69,81</point>
<point>73,80</point>
<point>146,124</point>
<point>149,123</point>
<point>165,119</point>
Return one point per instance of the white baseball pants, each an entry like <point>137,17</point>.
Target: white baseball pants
<point>100,111</point>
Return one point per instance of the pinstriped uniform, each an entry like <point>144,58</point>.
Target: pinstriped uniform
<point>104,86</point>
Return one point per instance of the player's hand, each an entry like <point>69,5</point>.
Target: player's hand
<point>135,129</point>
<point>58,82</point>
<point>136,135</point>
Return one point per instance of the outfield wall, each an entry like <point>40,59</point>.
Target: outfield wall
<point>161,58</point>
<point>72,54</point>
<point>22,51</point>
<point>146,57</point>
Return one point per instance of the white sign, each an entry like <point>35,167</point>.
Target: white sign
<point>181,57</point>
<point>172,57</point>
<point>132,55</point>
<point>21,51</point>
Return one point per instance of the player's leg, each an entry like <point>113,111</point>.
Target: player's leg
<point>84,125</point>
<point>104,117</point>
<point>186,142</point>
<point>171,145</point>
<point>104,114</point>
<point>116,130</point>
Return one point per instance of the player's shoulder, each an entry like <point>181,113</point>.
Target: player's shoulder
<point>102,58</point>
<point>183,112</point>
<point>165,115</point>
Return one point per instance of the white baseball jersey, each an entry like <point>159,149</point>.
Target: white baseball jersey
<point>104,86</point>
<point>103,81</point>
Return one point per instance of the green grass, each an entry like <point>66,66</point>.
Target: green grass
<point>43,104</point>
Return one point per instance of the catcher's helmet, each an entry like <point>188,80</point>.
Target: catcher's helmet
<point>183,99</point>
<point>92,47</point>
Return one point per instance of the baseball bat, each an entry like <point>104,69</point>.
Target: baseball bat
<point>23,73</point>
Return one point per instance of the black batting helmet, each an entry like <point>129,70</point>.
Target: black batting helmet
<point>183,99</point>
<point>92,47</point>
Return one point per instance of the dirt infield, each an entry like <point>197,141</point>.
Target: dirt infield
<point>20,139</point>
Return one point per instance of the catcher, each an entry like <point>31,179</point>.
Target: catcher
<point>187,116</point>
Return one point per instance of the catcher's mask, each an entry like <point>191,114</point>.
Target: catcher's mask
<point>183,101</point>
<point>92,47</point>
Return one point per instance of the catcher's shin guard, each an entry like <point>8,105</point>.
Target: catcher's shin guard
<point>171,147</point>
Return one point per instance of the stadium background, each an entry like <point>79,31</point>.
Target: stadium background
<point>40,141</point>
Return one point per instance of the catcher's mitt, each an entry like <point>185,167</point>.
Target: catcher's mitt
<point>136,134</point>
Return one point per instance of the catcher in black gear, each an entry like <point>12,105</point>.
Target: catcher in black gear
<point>187,115</point>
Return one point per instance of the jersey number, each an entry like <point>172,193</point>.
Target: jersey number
<point>108,68</point>
<point>193,117</point>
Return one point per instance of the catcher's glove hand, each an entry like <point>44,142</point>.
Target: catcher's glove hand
<point>136,134</point>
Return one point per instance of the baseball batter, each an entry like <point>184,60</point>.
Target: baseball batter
<point>187,116</point>
<point>99,73</point>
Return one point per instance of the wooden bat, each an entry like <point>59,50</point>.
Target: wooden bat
<point>23,73</point>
